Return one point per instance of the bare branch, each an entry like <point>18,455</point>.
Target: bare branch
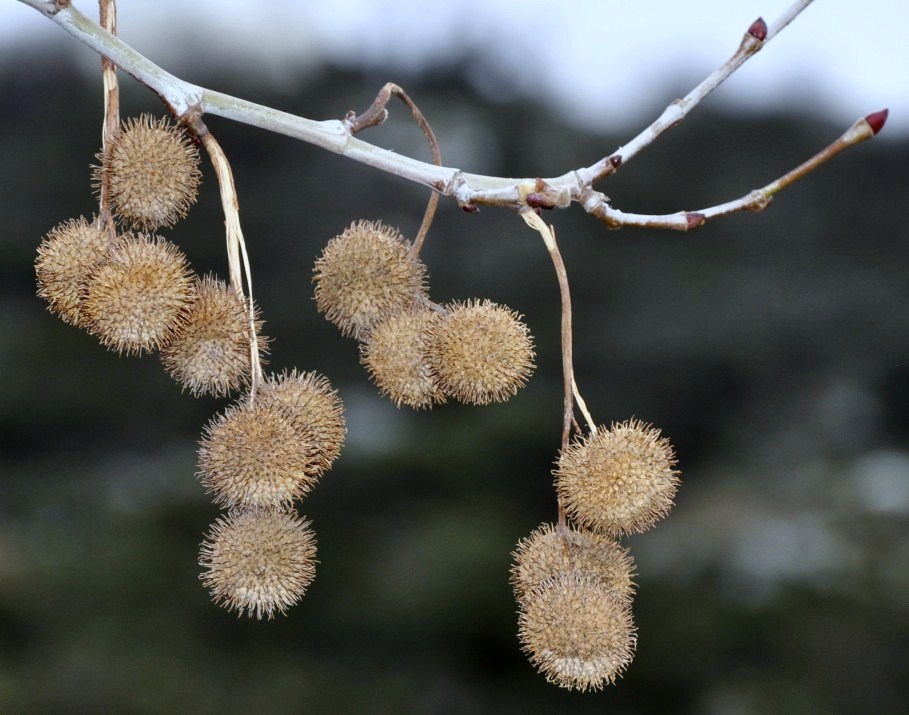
<point>468,190</point>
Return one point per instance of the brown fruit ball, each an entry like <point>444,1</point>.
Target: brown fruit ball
<point>66,258</point>
<point>549,551</point>
<point>366,274</point>
<point>316,411</point>
<point>210,355</point>
<point>258,562</point>
<point>618,481</point>
<point>140,297</point>
<point>153,172</point>
<point>576,632</point>
<point>480,352</point>
<point>394,352</point>
<point>253,456</point>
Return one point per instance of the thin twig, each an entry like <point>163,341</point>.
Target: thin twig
<point>378,113</point>
<point>597,204</point>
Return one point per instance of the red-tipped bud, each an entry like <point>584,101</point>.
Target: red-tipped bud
<point>758,29</point>
<point>695,219</point>
<point>876,120</point>
<point>615,160</point>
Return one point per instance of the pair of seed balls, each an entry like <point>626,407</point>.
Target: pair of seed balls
<point>373,287</point>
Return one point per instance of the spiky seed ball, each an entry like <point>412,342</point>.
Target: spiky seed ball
<point>395,355</point>
<point>210,355</point>
<point>66,258</point>
<point>153,172</point>
<point>549,551</point>
<point>366,274</point>
<point>139,298</point>
<point>258,562</point>
<point>316,411</point>
<point>480,352</point>
<point>576,632</point>
<point>252,455</point>
<point>618,481</point>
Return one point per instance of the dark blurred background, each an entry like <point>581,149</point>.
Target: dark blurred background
<point>770,348</point>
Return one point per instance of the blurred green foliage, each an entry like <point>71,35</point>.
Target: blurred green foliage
<point>770,348</point>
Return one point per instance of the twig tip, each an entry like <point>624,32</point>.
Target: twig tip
<point>876,120</point>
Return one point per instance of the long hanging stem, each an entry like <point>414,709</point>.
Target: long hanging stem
<point>107,12</point>
<point>237,257</point>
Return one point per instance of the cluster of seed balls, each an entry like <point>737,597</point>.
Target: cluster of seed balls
<point>573,584</point>
<point>136,292</point>
<point>370,283</point>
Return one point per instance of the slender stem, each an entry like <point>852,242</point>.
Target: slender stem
<point>237,257</point>
<point>107,10</point>
<point>569,386</point>
<point>377,114</point>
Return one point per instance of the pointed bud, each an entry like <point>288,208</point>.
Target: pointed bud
<point>758,29</point>
<point>876,120</point>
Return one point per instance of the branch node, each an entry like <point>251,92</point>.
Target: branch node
<point>694,220</point>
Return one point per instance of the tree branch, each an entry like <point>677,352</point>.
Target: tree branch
<point>468,190</point>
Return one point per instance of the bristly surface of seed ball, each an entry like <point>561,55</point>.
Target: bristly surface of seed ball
<point>66,258</point>
<point>316,410</point>
<point>576,632</point>
<point>548,551</point>
<point>153,172</point>
<point>258,562</point>
<point>394,352</point>
<point>140,297</point>
<point>254,456</point>
<point>618,481</point>
<point>366,274</point>
<point>480,352</point>
<point>210,354</point>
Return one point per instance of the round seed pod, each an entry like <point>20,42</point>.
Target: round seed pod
<point>618,481</point>
<point>366,274</point>
<point>66,258</point>
<point>258,562</point>
<point>480,352</point>
<point>547,552</point>
<point>576,632</point>
<point>210,355</point>
<point>152,169</point>
<point>315,410</point>
<point>252,455</point>
<point>140,297</point>
<point>394,352</point>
